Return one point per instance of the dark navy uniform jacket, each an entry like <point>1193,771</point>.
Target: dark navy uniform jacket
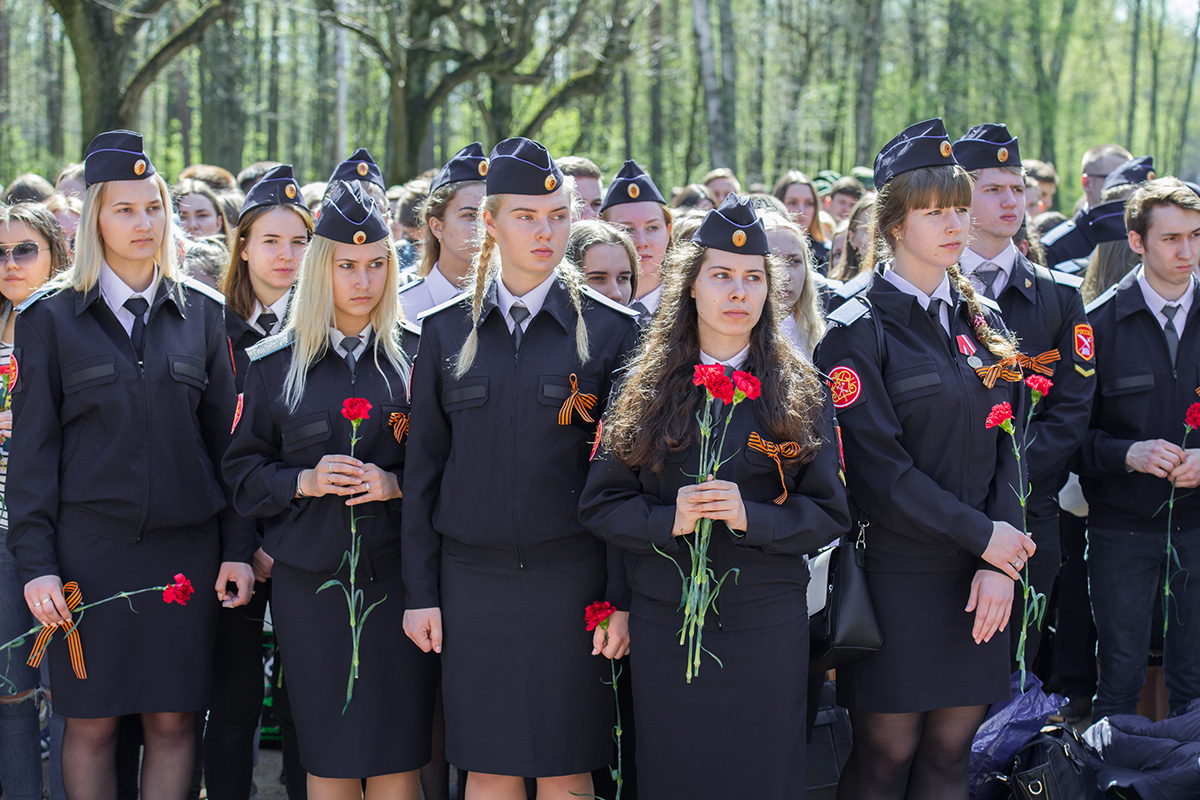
<point>635,510</point>
<point>919,462</point>
<point>111,449</point>
<point>1069,240</point>
<point>273,445</point>
<point>1034,302</point>
<point>491,467</point>
<point>1140,395</point>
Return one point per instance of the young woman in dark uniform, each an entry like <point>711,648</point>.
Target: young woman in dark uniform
<point>634,203</point>
<point>273,230</point>
<point>507,388</point>
<point>933,483</point>
<point>736,730</point>
<point>289,465</point>
<point>124,400</point>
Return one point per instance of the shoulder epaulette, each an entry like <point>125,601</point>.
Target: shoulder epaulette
<point>849,311</point>
<point>588,291</point>
<point>1101,300</point>
<point>203,288</point>
<point>824,282</point>
<point>1063,279</point>
<point>988,303</point>
<point>410,285</point>
<point>38,295</point>
<point>271,344</point>
<point>1057,232</point>
<point>1071,266</point>
<point>854,286</point>
<point>453,301</point>
<point>415,330</point>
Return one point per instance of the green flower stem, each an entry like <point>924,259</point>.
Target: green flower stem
<point>1172,557</point>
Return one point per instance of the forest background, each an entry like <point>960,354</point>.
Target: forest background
<point>760,86</point>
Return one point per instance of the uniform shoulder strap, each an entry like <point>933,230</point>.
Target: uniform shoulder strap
<point>453,301</point>
<point>988,303</point>
<point>411,285</point>
<point>1057,232</point>
<point>854,309</point>
<point>271,344</point>
<point>1063,279</point>
<point>1101,300</point>
<point>854,286</point>
<point>203,288</point>
<point>45,291</point>
<point>410,327</point>
<point>591,293</point>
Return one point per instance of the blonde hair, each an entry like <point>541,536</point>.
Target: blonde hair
<point>807,308</point>
<point>486,266</point>
<point>312,314</point>
<point>89,245</point>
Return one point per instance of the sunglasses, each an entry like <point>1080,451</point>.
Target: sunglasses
<point>22,253</point>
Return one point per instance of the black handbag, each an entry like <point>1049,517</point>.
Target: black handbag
<point>1054,765</point>
<point>845,628</point>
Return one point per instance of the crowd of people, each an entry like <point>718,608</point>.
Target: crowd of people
<point>476,404</point>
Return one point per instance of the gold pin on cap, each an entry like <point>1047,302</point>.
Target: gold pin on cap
<point>1150,175</point>
<point>290,191</point>
<point>363,169</point>
<point>739,238</point>
<point>139,167</point>
<point>360,237</point>
<point>946,149</point>
<point>551,183</point>
<point>633,191</point>
<point>483,168</point>
<point>1002,155</point>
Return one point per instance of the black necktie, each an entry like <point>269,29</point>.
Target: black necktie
<point>348,346</point>
<point>137,306</point>
<point>643,313</point>
<point>1169,312</point>
<point>519,314</point>
<point>935,315</point>
<point>267,320</point>
<point>987,277</point>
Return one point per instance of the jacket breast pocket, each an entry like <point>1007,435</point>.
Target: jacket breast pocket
<point>304,432</point>
<point>395,422</point>
<point>189,370</point>
<point>88,373</point>
<point>1126,381</point>
<point>912,382</point>
<point>575,401</point>
<point>460,395</point>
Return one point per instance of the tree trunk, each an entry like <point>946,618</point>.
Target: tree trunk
<point>864,106</point>
<point>953,78</point>
<point>222,113</point>
<point>341,147</point>
<point>1187,99</point>
<point>656,93</point>
<point>1156,39</point>
<point>1047,73</point>
<point>1133,74</point>
<point>718,155</point>
<point>627,113</point>
<point>273,91</point>
<point>729,88</point>
<point>920,62</point>
<point>5,112</point>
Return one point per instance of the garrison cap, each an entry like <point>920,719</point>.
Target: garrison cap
<point>468,164</point>
<point>924,144</point>
<point>116,156</point>
<point>1107,222</point>
<point>277,187</point>
<point>351,216</point>
<point>734,228</point>
<point>522,166</point>
<point>631,185</point>
<point>987,146</point>
<point>1133,172</point>
<point>359,167</point>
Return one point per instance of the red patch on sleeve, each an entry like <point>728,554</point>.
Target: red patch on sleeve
<point>846,386</point>
<point>1085,342</point>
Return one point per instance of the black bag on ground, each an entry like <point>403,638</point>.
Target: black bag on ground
<point>829,745</point>
<point>1053,766</point>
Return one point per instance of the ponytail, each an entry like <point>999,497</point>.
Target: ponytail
<point>481,268</point>
<point>1001,345</point>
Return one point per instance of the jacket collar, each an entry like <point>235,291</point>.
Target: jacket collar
<point>557,304</point>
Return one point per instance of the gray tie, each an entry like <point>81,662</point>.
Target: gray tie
<point>987,277</point>
<point>643,313</point>
<point>1172,334</point>
<point>518,314</point>
<point>267,320</point>
<point>348,346</point>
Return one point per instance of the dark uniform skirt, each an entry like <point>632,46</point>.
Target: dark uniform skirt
<point>523,693</point>
<point>734,731</point>
<point>155,660</point>
<point>387,727</point>
<point>929,659</point>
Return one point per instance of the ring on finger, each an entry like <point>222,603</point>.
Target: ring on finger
<point>367,484</point>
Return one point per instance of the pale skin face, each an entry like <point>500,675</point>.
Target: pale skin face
<point>722,188</point>
<point>591,195</point>
<point>651,234</point>
<point>199,216</point>
<point>71,187</point>
<point>837,246</point>
<point>21,280</point>
<point>273,251</point>
<point>928,243</point>
<point>787,246</point>
<point>1033,202</point>
<point>801,203</point>
<point>997,208</point>
<point>359,278</point>
<point>840,205</point>
<point>455,232</point>
<point>730,292</point>
<point>1093,177</point>
<point>607,269</point>
<point>133,221</point>
<point>531,234</point>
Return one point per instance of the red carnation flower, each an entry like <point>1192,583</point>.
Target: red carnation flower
<point>706,373</point>
<point>747,384</point>
<point>722,389</point>
<point>1039,384</point>
<point>180,591</point>
<point>1001,413</point>
<point>1192,419</point>
<point>597,614</point>
<point>355,409</point>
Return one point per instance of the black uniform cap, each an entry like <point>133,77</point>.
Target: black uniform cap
<point>277,187</point>
<point>987,146</point>
<point>359,167</point>
<point>631,185</point>
<point>116,156</point>
<point>1133,172</point>
<point>1107,222</point>
<point>522,166</point>
<point>924,144</point>
<point>350,216</point>
<point>734,228</point>
<point>468,164</point>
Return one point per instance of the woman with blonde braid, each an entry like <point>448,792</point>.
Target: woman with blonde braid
<point>507,388</point>
<point>915,370</point>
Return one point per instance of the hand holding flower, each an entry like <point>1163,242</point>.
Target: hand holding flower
<point>333,474</point>
<point>715,500</point>
<point>1008,549</point>
<point>377,484</point>
<point>1186,474</point>
<point>991,600</point>
<point>612,642</point>
<point>1156,457</point>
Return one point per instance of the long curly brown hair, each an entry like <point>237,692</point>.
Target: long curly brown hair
<point>654,412</point>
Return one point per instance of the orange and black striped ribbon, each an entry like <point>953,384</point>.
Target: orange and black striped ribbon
<point>1039,363</point>
<point>578,401</point>
<point>786,449</point>
<point>74,600</point>
<point>1009,369</point>
<point>399,423</point>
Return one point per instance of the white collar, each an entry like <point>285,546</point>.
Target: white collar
<point>336,336</point>
<point>440,287</point>
<point>942,292</point>
<point>1156,301</point>
<point>1005,260</point>
<point>735,362</point>
<point>116,292</point>
<point>534,299</point>
<point>652,300</point>
<point>278,308</point>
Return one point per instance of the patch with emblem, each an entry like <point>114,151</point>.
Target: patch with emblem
<point>14,371</point>
<point>845,385</point>
<point>1085,342</point>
